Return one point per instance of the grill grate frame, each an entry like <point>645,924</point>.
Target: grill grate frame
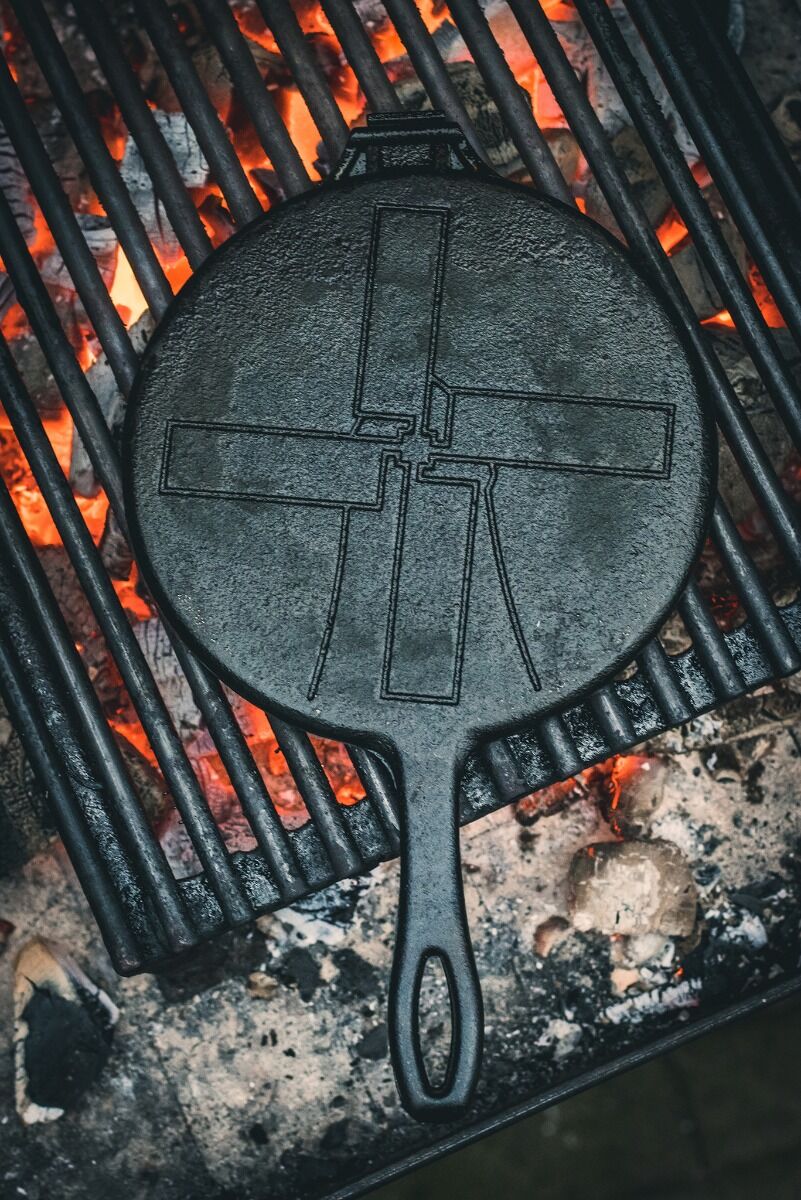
<point>145,914</point>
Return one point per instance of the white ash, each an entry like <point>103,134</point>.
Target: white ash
<point>102,242</point>
<point>631,888</point>
<point>192,166</point>
<point>561,1037</point>
<point>637,1008</point>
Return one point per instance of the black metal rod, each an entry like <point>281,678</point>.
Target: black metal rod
<point>559,745</point>
<point>270,129</point>
<point>614,721</point>
<point>318,796</point>
<point>755,464</point>
<point>431,70</point>
<point>62,795</point>
<point>751,110</point>
<point>128,654</point>
<point>379,786</point>
<point>168,186</point>
<point>709,241</point>
<point>710,645</point>
<point>769,629</point>
<point>678,60</point>
<point>123,802</point>
<point>361,54</point>
<point>307,74</point>
<point>102,169</point>
<point>515,110</point>
<point>77,256</point>
<point>668,692</point>
<point>220,154</point>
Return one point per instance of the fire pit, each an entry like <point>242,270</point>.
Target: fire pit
<point>185,810</point>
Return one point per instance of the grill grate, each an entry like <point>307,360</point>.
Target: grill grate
<point>145,913</point>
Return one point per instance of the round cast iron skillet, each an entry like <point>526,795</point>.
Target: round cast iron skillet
<point>414,460</point>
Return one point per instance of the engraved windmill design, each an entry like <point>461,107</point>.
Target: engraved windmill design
<point>452,439</point>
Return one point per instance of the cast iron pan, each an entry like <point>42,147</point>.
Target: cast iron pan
<point>413,460</point>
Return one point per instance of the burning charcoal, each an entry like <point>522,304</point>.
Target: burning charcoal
<point>645,180</point>
<point>26,827</point>
<point>646,183</point>
<point>481,109</point>
<point>62,152</point>
<point>155,644</point>
<point>191,163</point>
<point>103,384</point>
<point>565,150</point>
<point>694,278</point>
<point>147,780</point>
<point>209,66</point>
<point>635,789</point>
<point>101,240</point>
<point>727,227</point>
<point>63,1030</point>
<point>36,373</point>
<point>114,549</point>
<point>16,189</point>
<point>632,887</point>
<point>550,934</point>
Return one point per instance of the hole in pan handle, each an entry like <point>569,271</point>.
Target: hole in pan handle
<point>432,923</point>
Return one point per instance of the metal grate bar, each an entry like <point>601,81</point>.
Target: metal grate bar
<point>677,58</point>
<point>559,745</point>
<point>510,98</point>
<point>129,657</point>
<point>668,692</point>
<point>708,239</point>
<point>710,645</point>
<point>156,155</point>
<point>613,719</point>
<point>102,170</point>
<point>65,798</point>
<point>765,137</point>
<point>754,596</point>
<point>430,68</point>
<point>318,797</point>
<point>312,83</point>
<point>361,55</point>
<point>750,454</point>
<point>379,785</point>
<point>60,218</point>
<point>121,798</point>
<point>220,154</point>
<point>271,131</point>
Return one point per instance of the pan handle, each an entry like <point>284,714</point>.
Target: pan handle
<point>432,923</point>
